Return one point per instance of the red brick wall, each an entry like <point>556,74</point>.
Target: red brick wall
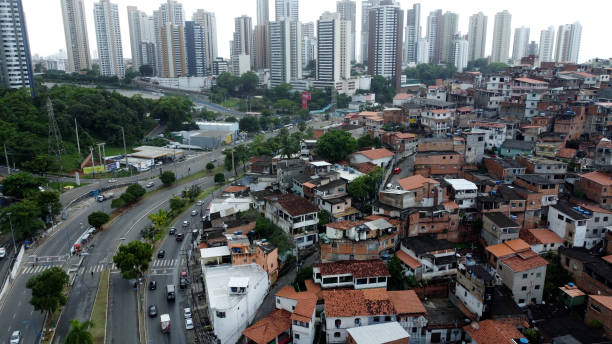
<point>601,314</point>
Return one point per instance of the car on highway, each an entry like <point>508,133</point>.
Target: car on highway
<point>112,180</point>
<point>187,312</point>
<point>186,223</point>
<point>152,311</point>
<point>161,254</point>
<point>152,285</point>
<point>2,252</point>
<point>179,237</point>
<point>172,231</point>
<point>199,203</point>
<point>150,185</point>
<point>397,170</point>
<point>189,324</point>
<point>15,337</point>
<point>194,212</point>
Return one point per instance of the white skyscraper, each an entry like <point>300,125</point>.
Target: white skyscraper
<point>108,37</point>
<point>433,35</point>
<point>348,11</point>
<point>208,22</point>
<point>309,43</point>
<point>568,42</point>
<point>385,41</point>
<point>413,33</point>
<point>170,40</point>
<point>366,5</point>
<point>521,43</point>
<point>15,59</point>
<point>460,53</point>
<point>422,55</point>
<point>287,9</point>
<point>263,12</point>
<point>547,42</point>
<point>142,34</point>
<point>501,37</point>
<point>285,51</point>
<point>242,45</point>
<point>334,48</point>
<point>477,36</point>
<point>75,31</point>
<point>450,23</point>
<point>262,46</point>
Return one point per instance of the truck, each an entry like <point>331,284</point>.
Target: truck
<point>164,322</point>
<point>170,292</point>
<point>105,196</point>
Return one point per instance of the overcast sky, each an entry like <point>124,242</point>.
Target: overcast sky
<point>45,27</point>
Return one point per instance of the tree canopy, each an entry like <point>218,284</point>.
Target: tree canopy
<point>21,185</point>
<point>79,332</point>
<point>174,112</point>
<point>25,218</point>
<point>427,73</point>
<point>485,67</point>
<point>98,218</point>
<point>167,178</point>
<point>48,289</point>
<point>335,145</point>
<point>133,259</point>
<point>381,86</point>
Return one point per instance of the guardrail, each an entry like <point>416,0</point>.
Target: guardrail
<point>102,189</point>
<point>11,273</point>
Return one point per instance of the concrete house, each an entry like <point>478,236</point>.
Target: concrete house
<point>436,258</point>
<point>498,228</point>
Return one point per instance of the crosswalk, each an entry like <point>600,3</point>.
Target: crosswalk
<point>35,269</point>
<point>163,263</point>
<point>158,267</point>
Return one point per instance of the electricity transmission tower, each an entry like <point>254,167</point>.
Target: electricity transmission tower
<point>56,145</point>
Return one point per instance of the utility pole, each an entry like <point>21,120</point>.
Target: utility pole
<point>125,152</point>
<point>93,162</point>
<point>100,155</point>
<point>12,233</point>
<point>233,165</point>
<point>55,143</point>
<point>8,166</point>
<point>76,127</point>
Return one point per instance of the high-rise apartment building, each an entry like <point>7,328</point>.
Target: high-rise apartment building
<point>285,51</point>
<point>170,40</point>
<point>194,44</point>
<point>434,35</point>
<point>422,55</point>
<point>568,42</point>
<point>477,36</point>
<point>460,53</point>
<point>385,41</point>
<point>208,22</point>
<point>288,9</point>
<point>501,37</point>
<point>532,48</point>
<point>348,11</point>
<point>450,23</point>
<point>521,43</point>
<point>547,42</point>
<point>309,43</point>
<point>142,35</point>
<point>15,58</point>
<point>262,41</point>
<point>108,37</point>
<point>366,5</point>
<point>333,49</point>
<point>243,57</point>
<point>412,34</point>
<point>75,31</point>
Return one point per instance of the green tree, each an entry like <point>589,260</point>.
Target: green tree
<point>159,219</point>
<point>381,86</point>
<point>98,218</point>
<point>47,200</point>
<point>176,204</point>
<point>302,126</point>
<point>79,332</point>
<point>133,259</point>
<point>219,178</point>
<point>249,123</point>
<point>25,218</point>
<point>285,106</point>
<point>210,166</point>
<point>117,203</point>
<point>146,70</point>
<point>21,184</point>
<point>335,145</point>
<point>394,265</point>
<point>167,178</point>
<point>324,217</point>
<point>41,164</point>
<point>48,289</point>
<point>173,112</point>
<point>136,190</point>
<point>248,82</point>
<point>361,188</point>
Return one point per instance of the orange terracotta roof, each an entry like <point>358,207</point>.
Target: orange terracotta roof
<point>304,309</point>
<point>594,208</point>
<point>368,113</point>
<point>507,248</point>
<point>415,182</point>
<point>314,288</point>
<point>268,328</point>
<point>405,135</point>
<point>351,302</point>
<point>235,189</point>
<point>243,228</point>
<point>450,205</point>
<point>441,110</point>
<point>607,259</point>
<point>492,332</point>
<point>366,167</point>
<point>407,302</point>
<point>598,177</point>
<point>572,291</point>
<point>309,185</point>
<point>358,268</point>
<point>403,96</point>
<point>344,224</point>
<point>465,109</point>
<point>375,154</point>
<point>517,245</point>
<point>545,236</point>
<point>566,153</point>
<point>408,260</point>
<point>531,81</point>
<point>518,264</point>
<point>375,217</point>
<point>605,301</point>
<point>492,125</point>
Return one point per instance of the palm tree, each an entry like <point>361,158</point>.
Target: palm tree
<point>79,332</point>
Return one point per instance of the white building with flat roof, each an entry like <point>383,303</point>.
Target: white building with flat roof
<point>233,295</point>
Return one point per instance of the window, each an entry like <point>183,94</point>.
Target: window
<point>387,318</point>
<point>560,217</point>
<point>336,334</point>
<point>539,274</point>
<point>338,322</point>
<point>524,276</point>
<point>220,314</point>
<point>597,219</point>
<point>292,308</point>
<point>414,329</point>
<point>521,301</point>
<point>372,280</point>
<point>357,322</point>
<point>277,300</point>
<point>376,319</point>
<point>362,281</point>
<point>595,308</point>
<point>534,300</point>
<point>297,336</point>
<point>536,287</point>
<point>523,288</point>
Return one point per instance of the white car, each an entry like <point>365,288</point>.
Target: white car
<point>194,213</point>
<point>16,337</point>
<point>150,184</point>
<point>112,180</point>
<point>185,223</point>
<point>2,252</point>
<point>188,324</point>
<point>187,312</point>
<point>199,203</point>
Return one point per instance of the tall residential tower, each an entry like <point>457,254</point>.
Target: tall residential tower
<point>413,33</point>
<point>547,43</point>
<point>15,59</point>
<point>477,36</point>
<point>501,37</point>
<point>348,11</point>
<point>75,31</point>
<point>108,37</point>
<point>385,41</point>
<point>568,42</point>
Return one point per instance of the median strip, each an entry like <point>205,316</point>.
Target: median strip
<point>99,313</point>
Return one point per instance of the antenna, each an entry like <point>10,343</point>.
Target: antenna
<point>55,143</point>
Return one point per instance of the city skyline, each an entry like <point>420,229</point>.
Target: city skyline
<point>43,43</point>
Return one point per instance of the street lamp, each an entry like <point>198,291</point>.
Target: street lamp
<point>12,233</point>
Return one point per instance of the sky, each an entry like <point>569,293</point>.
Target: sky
<point>46,32</point>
